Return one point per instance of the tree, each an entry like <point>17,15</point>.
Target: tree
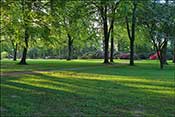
<point>113,10</point>
<point>33,24</point>
<point>104,7</point>
<point>131,31</point>
<point>70,23</point>
<point>160,23</point>
<point>11,25</point>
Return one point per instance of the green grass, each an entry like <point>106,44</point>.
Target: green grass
<point>87,88</point>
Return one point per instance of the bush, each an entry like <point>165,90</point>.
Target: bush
<point>124,56</point>
<point>116,55</point>
<point>99,55</point>
<point>169,56</point>
<point>33,53</point>
<point>143,56</point>
<point>4,54</point>
<point>86,56</point>
<point>127,56</point>
<point>92,55</point>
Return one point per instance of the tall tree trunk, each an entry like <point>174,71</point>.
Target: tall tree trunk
<point>165,53</point>
<point>131,32</point>
<point>15,52</point>
<point>160,55</point>
<point>70,41</point>
<point>131,52</point>
<point>106,37</point>
<point>112,44</point>
<point>161,64</point>
<point>161,59</point>
<point>174,53</point>
<point>24,54</point>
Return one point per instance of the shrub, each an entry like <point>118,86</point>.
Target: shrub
<point>99,54</point>
<point>124,56</point>
<point>4,54</point>
<point>90,56</point>
<point>143,56</point>
<point>85,56</point>
<point>169,56</point>
<point>127,56</point>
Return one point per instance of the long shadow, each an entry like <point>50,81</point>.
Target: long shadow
<point>85,81</point>
<point>81,95</point>
<point>142,70</point>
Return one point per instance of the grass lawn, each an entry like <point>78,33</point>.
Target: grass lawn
<point>87,88</point>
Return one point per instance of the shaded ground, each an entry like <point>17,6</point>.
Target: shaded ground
<point>87,88</point>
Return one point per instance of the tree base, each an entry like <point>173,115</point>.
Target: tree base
<point>22,63</point>
<point>106,62</point>
<point>131,64</point>
<point>111,61</point>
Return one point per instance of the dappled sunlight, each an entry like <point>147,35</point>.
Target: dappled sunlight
<point>155,86</point>
<point>10,86</point>
<point>37,84</point>
<point>152,88</point>
<point>127,79</point>
<point>84,83</point>
<point>14,87</point>
<point>56,85</point>
<point>59,85</point>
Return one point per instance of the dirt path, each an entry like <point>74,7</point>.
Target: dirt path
<point>35,72</point>
<point>17,73</point>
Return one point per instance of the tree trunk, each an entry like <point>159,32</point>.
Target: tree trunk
<point>112,44</point>
<point>24,54</point>
<point>131,52</point>
<point>165,53</point>
<point>106,37</point>
<point>161,59</point>
<point>174,57</point>
<point>161,64</point>
<point>160,56</point>
<point>70,41</point>
<point>131,32</point>
<point>174,53</point>
<point>15,52</point>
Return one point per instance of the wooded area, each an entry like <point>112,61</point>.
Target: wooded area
<point>88,29</point>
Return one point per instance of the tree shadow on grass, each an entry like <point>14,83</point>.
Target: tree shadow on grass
<point>9,66</point>
<point>46,94</point>
<point>142,70</point>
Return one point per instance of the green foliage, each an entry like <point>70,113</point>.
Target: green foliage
<point>49,22</point>
<point>4,54</point>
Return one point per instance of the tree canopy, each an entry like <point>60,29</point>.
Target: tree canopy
<point>88,29</point>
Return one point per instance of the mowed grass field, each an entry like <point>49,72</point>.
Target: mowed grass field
<point>87,88</point>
